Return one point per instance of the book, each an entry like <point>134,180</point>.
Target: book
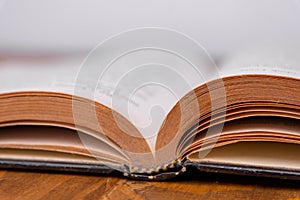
<point>154,121</point>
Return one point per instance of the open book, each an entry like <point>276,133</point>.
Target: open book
<point>153,122</point>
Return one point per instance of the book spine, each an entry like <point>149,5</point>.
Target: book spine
<point>169,170</point>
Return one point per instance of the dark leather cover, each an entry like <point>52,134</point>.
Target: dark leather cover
<point>54,166</point>
<point>280,173</point>
<point>170,173</point>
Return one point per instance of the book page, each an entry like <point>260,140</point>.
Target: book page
<point>51,74</point>
<point>259,154</point>
<point>141,80</point>
<point>145,84</point>
<point>272,59</point>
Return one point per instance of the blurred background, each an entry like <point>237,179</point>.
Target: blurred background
<point>36,27</point>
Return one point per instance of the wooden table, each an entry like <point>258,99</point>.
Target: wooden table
<point>38,185</point>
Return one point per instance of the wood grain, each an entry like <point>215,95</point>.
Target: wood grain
<point>38,185</point>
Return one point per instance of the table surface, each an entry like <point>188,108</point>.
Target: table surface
<point>46,185</point>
